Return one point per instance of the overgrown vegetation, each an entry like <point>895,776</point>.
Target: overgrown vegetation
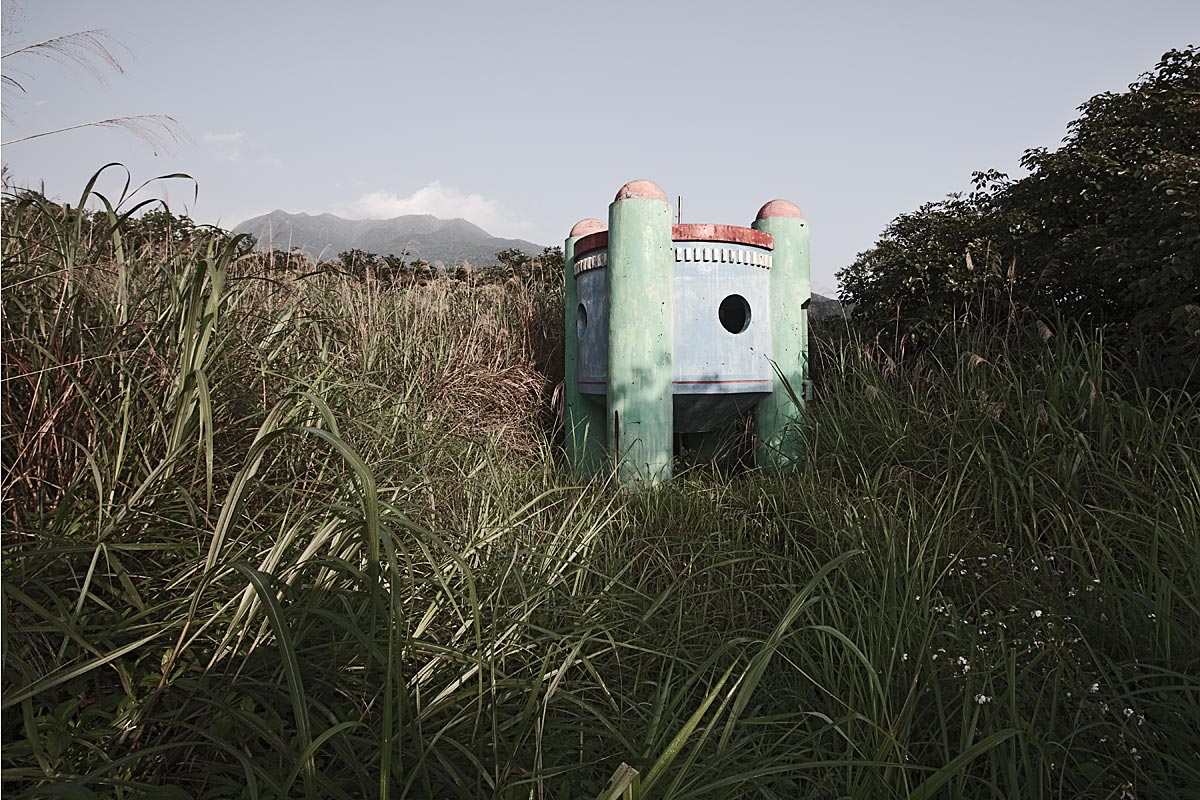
<point>278,529</point>
<point>1105,230</point>
<point>272,533</point>
<point>541,270</point>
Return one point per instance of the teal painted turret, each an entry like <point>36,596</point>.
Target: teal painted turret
<point>778,421</point>
<point>641,334</point>
<point>584,421</point>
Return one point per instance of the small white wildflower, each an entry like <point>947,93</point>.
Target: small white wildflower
<point>1072,592</point>
<point>982,698</point>
<point>1128,713</point>
<point>904,657</point>
<point>1036,614</point>
<point>1151,616</point>
<point>1095,688</point>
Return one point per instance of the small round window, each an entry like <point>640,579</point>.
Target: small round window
<point>580,320</point>
<point>734,313</point>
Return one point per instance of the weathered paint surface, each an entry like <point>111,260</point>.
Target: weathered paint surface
<point>583,420</point>
<point>640,190</point>
<point>778,421</point>
<point>641,340</point>
<point>708,358</point>
<point>719,372</point>
<point>592,290</point>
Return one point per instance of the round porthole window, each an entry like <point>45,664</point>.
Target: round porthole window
<point>580,320</point>
<point>734,313</point>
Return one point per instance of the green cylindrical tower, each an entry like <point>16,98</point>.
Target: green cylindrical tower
<point>641,334</point>
<point>778,419</point>
<point>583,419</point>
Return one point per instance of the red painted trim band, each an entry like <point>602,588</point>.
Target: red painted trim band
<point>730,234</point>
<point>593,241</point>
<point>706,232</point>
<point>684,383</point>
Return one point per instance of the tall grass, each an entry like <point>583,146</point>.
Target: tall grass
<point>270,535</point>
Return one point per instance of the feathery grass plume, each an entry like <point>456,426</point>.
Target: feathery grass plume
<point>160,131</point>
<point>92,52</point>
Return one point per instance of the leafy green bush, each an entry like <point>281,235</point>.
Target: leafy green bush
<point>1105,230</point>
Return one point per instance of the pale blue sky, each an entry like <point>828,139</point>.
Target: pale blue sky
<point>525,117</point>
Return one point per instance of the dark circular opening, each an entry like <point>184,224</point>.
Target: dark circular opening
<point>580,320</point>
<point>734,313</point>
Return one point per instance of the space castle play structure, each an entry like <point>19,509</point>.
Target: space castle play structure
<point>683,329</point>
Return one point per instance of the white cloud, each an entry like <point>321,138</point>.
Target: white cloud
<point>446,202</point>
<point>226,146</point>
<point>223,138</point>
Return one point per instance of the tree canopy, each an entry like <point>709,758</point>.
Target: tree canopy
<point>1105,230</point>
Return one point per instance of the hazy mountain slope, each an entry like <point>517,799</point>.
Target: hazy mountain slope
<point>821,306</point>
<point>422,236</point>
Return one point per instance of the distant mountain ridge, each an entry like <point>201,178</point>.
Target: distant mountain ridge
<point>415,236</point>
<point>822,307</point>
